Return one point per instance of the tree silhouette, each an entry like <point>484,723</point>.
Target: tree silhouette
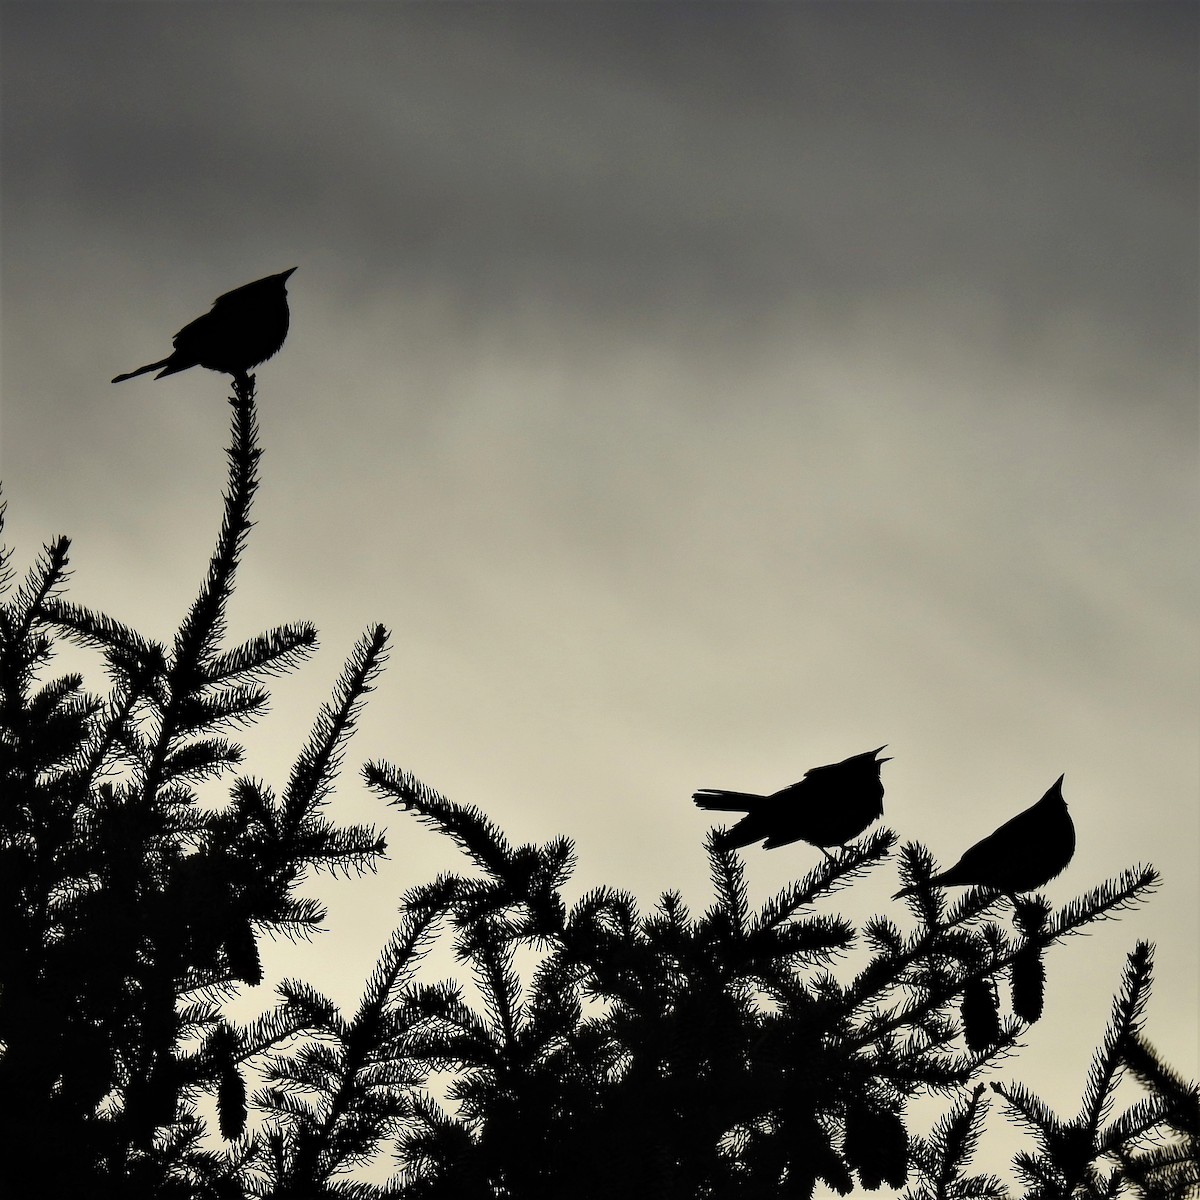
<point>129,906</point>
<point>592,1047</point>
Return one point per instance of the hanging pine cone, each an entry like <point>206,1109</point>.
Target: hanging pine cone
<point>876,1146</point>
<point>231,1103</point>
<point>980,1014</point>
<point>242,952</point>
<point>1028,983</point>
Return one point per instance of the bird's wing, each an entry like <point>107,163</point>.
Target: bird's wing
<point>1010,839</point>
<point>782,838</point>
<point>188,335</point>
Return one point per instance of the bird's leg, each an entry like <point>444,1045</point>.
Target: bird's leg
<point>243,386</point>
<point>827,854</point>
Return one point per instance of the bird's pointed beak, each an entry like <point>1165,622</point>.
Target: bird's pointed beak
<point>1054,792</point>
<point>883,747</point>
<point>285,274</point>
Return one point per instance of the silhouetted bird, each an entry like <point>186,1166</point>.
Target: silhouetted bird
<point>828,807</point>
<point>1022,855</point>
<point>242,329</point>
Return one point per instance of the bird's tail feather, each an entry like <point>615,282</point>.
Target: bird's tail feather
<point>154,366</point>
<point>719,800</point>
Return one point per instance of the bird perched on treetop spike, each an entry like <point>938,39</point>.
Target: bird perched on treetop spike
<point>1024,854</point>
<point>828,807</point>
<point>242,329</point>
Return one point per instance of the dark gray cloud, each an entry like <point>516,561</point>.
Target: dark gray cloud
<point>628,159</point>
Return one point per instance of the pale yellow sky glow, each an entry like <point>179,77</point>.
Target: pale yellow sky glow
<point>699,393</point>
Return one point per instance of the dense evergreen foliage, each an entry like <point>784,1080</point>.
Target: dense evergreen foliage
<point>597,1048</point>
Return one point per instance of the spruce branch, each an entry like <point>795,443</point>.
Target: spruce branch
<point>729,879</point>
<point>41,584</point>
<point>492,962</point>
<point>1070,1152</point>
<point>1141,1121</point>
<point>312,775</point>
<point>1101,903</point>
<point>1028,1109</point>
<point>443,1031</point>
<point>814,939</point>
<point>220,708</point>
<point>50,699</point>
<point>1180,1099</point>
<point>466,825</point>
<point>831,874</point>
<point>205,758</point>
<point>268,654</point>
<point>6,570</point>
<point>1129,1008</point>
<point>405,949</point>
<point>99,631</point>
<point>198,635</point>
<point>115,728</point>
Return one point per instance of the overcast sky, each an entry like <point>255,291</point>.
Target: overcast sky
<point>698,392</point>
